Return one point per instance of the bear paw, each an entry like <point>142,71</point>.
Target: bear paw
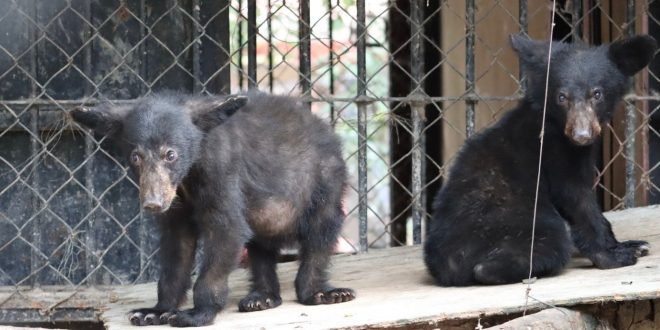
<point>623,254</point>
<point>330,296</point>
<point>148,316</point>
<point>257,301</point>
<point>193,317</point>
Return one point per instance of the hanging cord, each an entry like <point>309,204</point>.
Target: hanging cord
<point>529,280</point>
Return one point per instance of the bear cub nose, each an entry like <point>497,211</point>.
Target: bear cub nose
<point>153,204</point>
<point>582,136</point>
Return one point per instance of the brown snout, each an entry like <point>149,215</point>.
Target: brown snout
<point>156,189</point>
<point>582,126</point>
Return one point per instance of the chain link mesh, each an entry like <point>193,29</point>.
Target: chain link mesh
<point>69,213</point>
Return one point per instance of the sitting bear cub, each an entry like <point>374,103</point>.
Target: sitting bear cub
<point>222,173</point>
<point>481,228</point>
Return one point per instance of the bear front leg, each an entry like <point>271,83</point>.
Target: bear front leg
<point>177,252</point>
<point>222,238</point>
<point>592,232</point>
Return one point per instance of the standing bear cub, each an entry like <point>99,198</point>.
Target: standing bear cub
<point>226,172</point>
<point>481,229</point>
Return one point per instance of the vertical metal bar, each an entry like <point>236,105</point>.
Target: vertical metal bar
<point>631,121</point>
<point>417,108</point>
<point>144,61</point>
<point>331,58</point>
<point>470,100</point>
<point>198,30</point>
<point>362,124</point>
<point>304,33</point>
<point>576,21</point>
<point>252,44</point>
<point>90,231</point>
<point>522,21</point>
<point>36,260</point>
<point>34,181</point>
<point>145,232</point>
<point>240,44</point>
<point>522,16</point>
<point>270,46</point>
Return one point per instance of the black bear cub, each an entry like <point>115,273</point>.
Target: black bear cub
<point>222,173</point>
<point>481,228</point>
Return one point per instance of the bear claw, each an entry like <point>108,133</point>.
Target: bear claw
<point>135,318</point>
<point>333,296</point>
<point>257,301</point>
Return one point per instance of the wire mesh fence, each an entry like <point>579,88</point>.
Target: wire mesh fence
<point>402,82</point>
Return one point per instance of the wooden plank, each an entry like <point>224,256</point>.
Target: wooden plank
<point>394,289</point>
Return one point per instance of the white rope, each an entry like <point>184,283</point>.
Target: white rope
<point>538,174</point>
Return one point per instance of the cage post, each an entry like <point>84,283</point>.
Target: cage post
<point>90,238</point>
<point>331,58</point>
<point>252,44</point>
<point>417,107</point>
<point>401,144</point>
<point>214,46</point>
<point>33,180</point>
<point>631,120</point>
<point>522,16</point>
<point>239,53</point>
<point>142,49</point>
<point>198,31</point>
<point>304,33</point>
<point>361,102</point>
<point>522,20</point>
<point>576,21</point>
<point>269,25</point>
<point>470,99</point>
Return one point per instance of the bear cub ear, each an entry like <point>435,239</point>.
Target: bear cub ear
<point>209,113</point>
<point>533,54</point>
<point>632,54</point>
<point>103,119</point>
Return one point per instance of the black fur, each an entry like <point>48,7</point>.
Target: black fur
<point>480,232</point>
<point>254,169</point>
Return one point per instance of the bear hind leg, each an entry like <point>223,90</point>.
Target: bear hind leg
<point>317,244</point>
<point>511,264</point>
<point>265,291</point>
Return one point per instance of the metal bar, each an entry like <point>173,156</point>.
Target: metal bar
<point>522,16</point>
<point>470,102</point>
<point>36,260</point>
<point>198,30</point>
<point>522,19</point>
<point>145,228</point>
<point>417,111</point>
<point>304,33</point>
<point>90,238</point>
<point>240,44</point>
<point>576,21</point>
<point>331,58</point>
<point>142,48</point>
<point>362,124</point>
<point>269,22</point>
<point>215,46</point>
<point>48,104</point>
<point>631,121</point>
<point>252,44</point>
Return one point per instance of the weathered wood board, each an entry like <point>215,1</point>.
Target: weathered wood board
<point>394,289</point>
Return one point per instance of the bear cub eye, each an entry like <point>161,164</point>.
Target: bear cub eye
<point>170,155</point>
<point>597,94</point>
<point>561,98</point>
<point>135,158</point>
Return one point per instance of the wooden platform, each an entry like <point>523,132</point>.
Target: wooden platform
<point>394,289</point>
